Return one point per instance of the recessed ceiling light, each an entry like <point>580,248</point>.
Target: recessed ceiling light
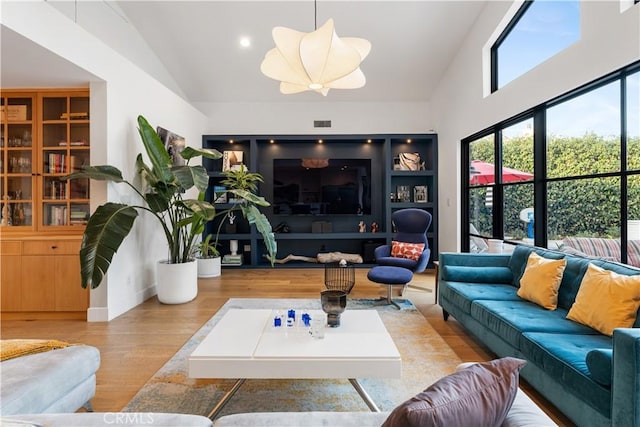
<point>245,41</point>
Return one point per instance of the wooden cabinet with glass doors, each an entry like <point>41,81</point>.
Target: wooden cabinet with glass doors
<point>18,160</point>
<point>44,136</point>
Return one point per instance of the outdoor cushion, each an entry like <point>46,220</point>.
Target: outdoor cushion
<point>564,357</point>
<point>633,252</point>
<point>508,319</point>
<point>463,294</point>
<point>608,249</point>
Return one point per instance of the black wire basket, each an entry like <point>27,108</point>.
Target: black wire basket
<point>339,276</point>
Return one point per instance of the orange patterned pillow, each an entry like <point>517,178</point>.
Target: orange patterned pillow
<point>406,250</point>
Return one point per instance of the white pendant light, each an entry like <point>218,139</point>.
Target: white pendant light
<point>316,61</point>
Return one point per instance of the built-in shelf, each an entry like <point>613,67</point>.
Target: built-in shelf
<point>260,153</point>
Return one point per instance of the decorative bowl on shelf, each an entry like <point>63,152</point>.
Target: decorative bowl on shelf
<point>334,302</point>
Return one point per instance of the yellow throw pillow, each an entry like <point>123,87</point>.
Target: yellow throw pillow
<point>606,300</point>
<point>541,280</point>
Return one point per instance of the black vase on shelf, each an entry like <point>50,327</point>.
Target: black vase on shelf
<point>334,302</point>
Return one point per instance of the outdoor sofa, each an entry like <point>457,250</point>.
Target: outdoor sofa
<point>608,249</point>
<point>592,378</point>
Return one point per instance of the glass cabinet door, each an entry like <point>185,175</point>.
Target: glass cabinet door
<point>17,175</point>
<point>65,148</point>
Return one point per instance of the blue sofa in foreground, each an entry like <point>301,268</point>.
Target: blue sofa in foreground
<point>594,379</point>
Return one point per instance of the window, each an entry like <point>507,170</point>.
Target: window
<point>517,171</point>
<point>563,172</point>
<point>481,177</point>
<point>583,133</point>
<point>539,30</point>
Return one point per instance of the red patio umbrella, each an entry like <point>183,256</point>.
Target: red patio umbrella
<point>483,173</point>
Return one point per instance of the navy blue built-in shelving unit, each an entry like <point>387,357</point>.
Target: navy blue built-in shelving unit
<point>259,153</point>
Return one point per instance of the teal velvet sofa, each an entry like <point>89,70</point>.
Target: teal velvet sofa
<point>592,378</point>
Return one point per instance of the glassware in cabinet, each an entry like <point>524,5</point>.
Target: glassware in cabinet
<point>65,149</point>
<point>16,159</point>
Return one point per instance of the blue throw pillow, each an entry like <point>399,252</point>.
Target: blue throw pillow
<point>600,362</point>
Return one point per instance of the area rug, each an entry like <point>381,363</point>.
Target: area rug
<point>425,358</point>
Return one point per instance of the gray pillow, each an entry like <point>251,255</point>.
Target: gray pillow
<point>479,395</point>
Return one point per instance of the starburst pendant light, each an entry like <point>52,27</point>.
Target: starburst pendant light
<point>316,61</point>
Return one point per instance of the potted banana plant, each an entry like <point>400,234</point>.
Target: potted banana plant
<point>181,219</point>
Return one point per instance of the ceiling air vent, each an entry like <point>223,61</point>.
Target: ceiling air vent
<point>322,123</point>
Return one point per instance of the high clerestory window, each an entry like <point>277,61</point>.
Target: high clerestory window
<point>539,30</point>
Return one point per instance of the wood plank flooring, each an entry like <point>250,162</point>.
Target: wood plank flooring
<point>136,344</point>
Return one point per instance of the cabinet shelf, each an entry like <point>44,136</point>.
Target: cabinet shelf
<point>329,236</point>
<point>403,205</point>
<point>412,173</point>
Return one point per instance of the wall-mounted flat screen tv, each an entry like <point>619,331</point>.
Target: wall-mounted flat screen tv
<point>321,186</point>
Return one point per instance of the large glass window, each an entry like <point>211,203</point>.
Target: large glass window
<point>633,121</point>
<point>584,208</point>
<point>567,177</point>
<point>583,134</point>
<point>540,29</point>
<point>481,178</point>
<point>517,168</point>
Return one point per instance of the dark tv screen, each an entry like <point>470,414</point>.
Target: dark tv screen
<point>322,186</point>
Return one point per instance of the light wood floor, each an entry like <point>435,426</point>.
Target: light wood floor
<point>136,344</point>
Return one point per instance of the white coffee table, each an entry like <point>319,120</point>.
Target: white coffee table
<point>245,344</point>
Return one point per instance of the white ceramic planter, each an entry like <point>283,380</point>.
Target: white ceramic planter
<point>177,283</point>
<point>209,267</point>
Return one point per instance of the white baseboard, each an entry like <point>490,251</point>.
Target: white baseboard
<point>103,314</point>
<point>98,314</point>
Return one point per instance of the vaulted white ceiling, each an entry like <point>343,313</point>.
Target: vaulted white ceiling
<point>197,42</point>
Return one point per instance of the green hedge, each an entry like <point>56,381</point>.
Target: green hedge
<point>576,207</point>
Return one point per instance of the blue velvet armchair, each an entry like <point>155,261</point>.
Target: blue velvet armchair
<point>411,227</point>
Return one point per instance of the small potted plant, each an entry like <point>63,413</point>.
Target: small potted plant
<point>208,257</point>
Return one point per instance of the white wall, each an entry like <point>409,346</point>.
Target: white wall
<point>297,118</point>
<point>609,40</point>
<point>120,92</point>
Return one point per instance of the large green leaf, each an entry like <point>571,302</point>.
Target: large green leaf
<point>148,175</point>
<point>157,202</point>
<point>201,208</point>
<point>158,155</point>
<point>99,173</point>
<point>190,152</point>
<point>250,197</point>
<point>189,176</point>
<point>254,216</point>
<point>105,231</point>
